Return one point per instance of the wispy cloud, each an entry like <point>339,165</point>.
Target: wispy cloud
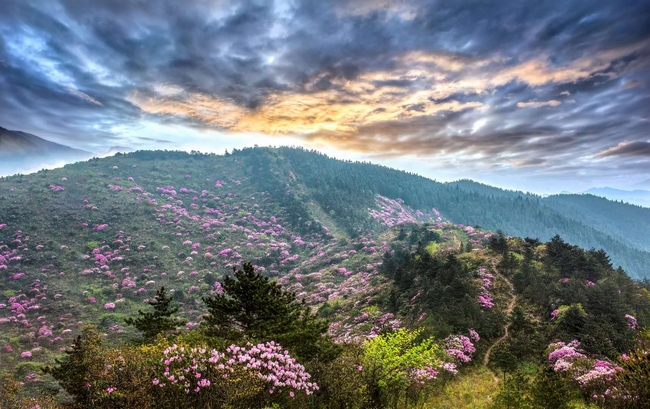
<point>627,149</point>
<point>537,104</point>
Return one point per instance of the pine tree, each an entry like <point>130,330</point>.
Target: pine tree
<point>72,372</point>
<point>150,324</point>
<point>254,308</point>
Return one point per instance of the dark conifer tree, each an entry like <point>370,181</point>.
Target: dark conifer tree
<point>160,320</point>
<point>72,370</point>
<point>254,308</point>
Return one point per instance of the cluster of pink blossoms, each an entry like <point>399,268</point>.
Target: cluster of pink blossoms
<point>474,335</point>
<point>484,299</point>
<point>460,347</point>
<point>631,321</point>
<point>599,370</point>
<point>196,368</point>
<point>393,212</point>
<point>423,375</point>
<point>564,357</point>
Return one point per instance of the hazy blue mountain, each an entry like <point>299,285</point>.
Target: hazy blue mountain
<point>638,197</point>
<point>21,152</point>
<point>643,185</point>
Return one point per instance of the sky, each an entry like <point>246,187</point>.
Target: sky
<point>541,96</point>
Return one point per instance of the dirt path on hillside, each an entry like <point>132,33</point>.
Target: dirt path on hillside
<point>508,311</point>
<point>458,243</point>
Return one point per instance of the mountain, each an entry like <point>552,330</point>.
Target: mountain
<point>24,152</point>
<point>601,223</point>
<point>627,223</point>
<point>643,185</point>
<point>346,189</point>
<point>369,249</point>
<point>339,194</point>
<point>637,197</point>
<point>487,190</point>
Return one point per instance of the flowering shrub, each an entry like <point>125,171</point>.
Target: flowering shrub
<point>195,369</point>
<point>484,299</point>
<point>460,347</point>
<point>392,212</point>
<point>594,376</point>
<point>562,356</point>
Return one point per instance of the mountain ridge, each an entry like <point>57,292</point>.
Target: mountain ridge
<point>22,152</point>
<point>344,190</point>
<point>639,197</point>
<point>587,208</point>
<point>23,143</point>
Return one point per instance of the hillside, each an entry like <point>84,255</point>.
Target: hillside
<point>91,242</point>
<point>370,250</point>
<point>628,223</point>
<point>623,221</point>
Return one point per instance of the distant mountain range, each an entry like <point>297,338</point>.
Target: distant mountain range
<point>584,219</point>
<point>638,197</point>
<point>17,143</point>
<point>22,152</point>
<point>643,185</point>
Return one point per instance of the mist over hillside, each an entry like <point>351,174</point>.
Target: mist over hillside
<point>21,152</point>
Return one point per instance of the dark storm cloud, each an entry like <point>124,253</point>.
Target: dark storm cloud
<point>514,84</point>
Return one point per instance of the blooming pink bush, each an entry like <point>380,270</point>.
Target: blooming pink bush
<point>595,376</point>
<point>484,299</point>
<point>459,347</point>
<point>562,356</point>
<point>194,369</point>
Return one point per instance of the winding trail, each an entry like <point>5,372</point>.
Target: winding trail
<point>508,311</point>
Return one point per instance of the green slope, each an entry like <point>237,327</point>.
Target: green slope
<point>346,189</point>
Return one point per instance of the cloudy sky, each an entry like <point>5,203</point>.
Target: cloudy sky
<point>534,95</point>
